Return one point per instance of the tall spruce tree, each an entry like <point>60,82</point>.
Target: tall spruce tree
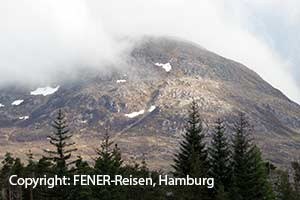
<point>219,156</point>
<point>63,148</point>
<point>108,162</point>
<point>241,159</point>
<point>249,172</point>
<point>192,158</point>
<point>258,179</point>
<point>60,156</point>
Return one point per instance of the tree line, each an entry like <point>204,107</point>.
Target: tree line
<point>235,163</point>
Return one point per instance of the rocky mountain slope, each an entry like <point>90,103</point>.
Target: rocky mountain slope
<point>144,104</point>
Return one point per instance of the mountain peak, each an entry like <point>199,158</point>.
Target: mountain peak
<point>146,102</point>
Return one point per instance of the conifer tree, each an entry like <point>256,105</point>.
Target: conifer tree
<point>63,148</point>
<point>109,162</point>
<point>109,159</point>
<point>249,172</point>
<point>43,167</point>
<point>220,156</point>
<point>6,171</point>
<point>241,159</point>
<point>192,157</point>
<point>11,166</point>
<point>258,179</point>
<point>29,172</point>
<point>17,169</point>
<point>61,155</point>
<point>283,188</point>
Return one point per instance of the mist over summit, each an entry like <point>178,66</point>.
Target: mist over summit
<point>42,39</point>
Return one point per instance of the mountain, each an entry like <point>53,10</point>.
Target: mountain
<point>143,103</point>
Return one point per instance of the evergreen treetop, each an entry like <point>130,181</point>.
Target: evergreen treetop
<point>109,160</point>
<point>60,140</point>
<point>192,157</point>
<point>220,156</point>
<point>249,171</point>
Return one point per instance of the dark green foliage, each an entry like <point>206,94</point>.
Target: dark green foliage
<point>30,172</point>
<point>143,192</point>
<point>221,194</point>
<point>11,166</point>
<point>220,156</point>
<point>241,159</point>
<point>260,188</point>
<point>109,159</point>
<point>62,147</point>
<point>17,169</point>
<point>192,157</point>
<point>80,192</point>
<point>109,162</point>
<point>7,165</point>
<point>60,157</point>
<point>249,172</point>
<point>283,188</point>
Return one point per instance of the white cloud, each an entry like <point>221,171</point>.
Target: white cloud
<point>38,38</point>
<point>42,38</point>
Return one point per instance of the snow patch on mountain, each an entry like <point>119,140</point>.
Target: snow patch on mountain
<point>24,117</point>
<point>135,114</point>
<point>1,105</point>
<point>83,121</point>
<point>44,91</point>
<point>151,109</point>
<point>167,67</point>
<point>121,81</point>
<point>17,102</point>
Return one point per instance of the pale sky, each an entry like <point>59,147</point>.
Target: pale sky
<point>40,38</point>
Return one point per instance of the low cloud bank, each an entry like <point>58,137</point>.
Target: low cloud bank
<point>42,38</point>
